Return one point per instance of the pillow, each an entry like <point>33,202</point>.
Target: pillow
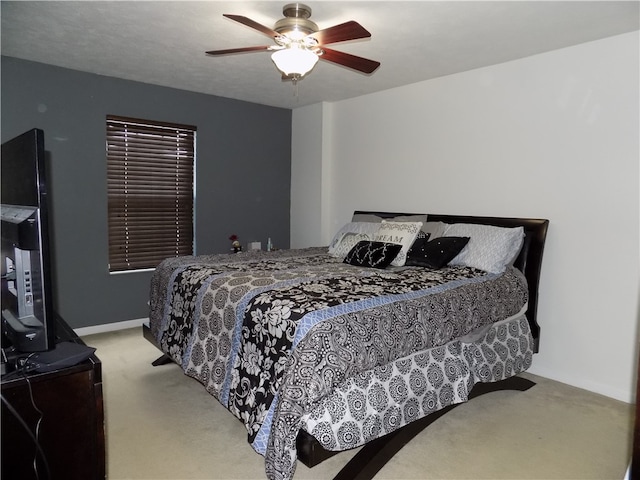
<point>435,254</point>
<point>370,217</point>
<point>408,218</point>
<point>434,229</point>
<point>350,234</point>
<point>490,248</point>
<point>366,217</point>
<point>420,236</point>
<point>372,254</point>
<point>403,233</point>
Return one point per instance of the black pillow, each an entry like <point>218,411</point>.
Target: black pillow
<point>436,253</point>
<point>368,253</point>
<point>422,235</point>
<point>418,245</point>
<point>421,238</point>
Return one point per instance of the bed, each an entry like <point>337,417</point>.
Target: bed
<point>364,342</point>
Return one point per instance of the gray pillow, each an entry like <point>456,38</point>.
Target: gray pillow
<point>370,217</point>
<point>408,218</point>
<point>350,234</point>
<point>434,229</point>
<point>366,217</point>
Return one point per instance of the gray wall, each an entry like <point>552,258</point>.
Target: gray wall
<point>243,175</point>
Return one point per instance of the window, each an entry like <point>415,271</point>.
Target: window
<point>150,169</point>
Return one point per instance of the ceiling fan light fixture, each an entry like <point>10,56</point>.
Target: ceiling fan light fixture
<point>295,34</point>
<point>299,43</point>
<point>296,24</point>
<point>295,60</point>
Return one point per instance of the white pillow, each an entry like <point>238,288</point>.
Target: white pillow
<point>350,234</point>
<point>490,248</point>
<point>403,233</point>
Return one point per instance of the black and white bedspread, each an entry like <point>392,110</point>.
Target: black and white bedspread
<point>297,339</point>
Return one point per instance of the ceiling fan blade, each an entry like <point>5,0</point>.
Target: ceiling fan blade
<point>340,33</point>
<point>238,50</point>
<point>361,64</point>
<point>253,24</point>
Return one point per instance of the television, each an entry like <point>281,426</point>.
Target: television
<point>28,318</point>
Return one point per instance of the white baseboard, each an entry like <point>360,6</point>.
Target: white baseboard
<point>110,327</point>
<point>608,391</point>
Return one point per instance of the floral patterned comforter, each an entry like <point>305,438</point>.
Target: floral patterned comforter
<point>273,334</point>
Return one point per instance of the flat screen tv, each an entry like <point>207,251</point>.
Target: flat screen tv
<point>28,318</point>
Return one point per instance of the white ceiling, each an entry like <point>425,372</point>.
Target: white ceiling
<point>163,43</point>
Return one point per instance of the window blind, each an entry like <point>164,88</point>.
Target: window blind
<point>150,169</point>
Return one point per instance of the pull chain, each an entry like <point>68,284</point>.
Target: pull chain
<point>294,80</point>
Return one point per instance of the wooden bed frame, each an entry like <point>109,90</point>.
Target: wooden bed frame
<point>375,454</point>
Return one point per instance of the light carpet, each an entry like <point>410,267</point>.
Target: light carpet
<point>161,424</point>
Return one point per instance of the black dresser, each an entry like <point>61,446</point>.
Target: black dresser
<point>69,442</point>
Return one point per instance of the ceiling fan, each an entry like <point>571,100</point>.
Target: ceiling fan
<point>299,43</point>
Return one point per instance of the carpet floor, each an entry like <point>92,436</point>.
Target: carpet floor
<point>161,424</point>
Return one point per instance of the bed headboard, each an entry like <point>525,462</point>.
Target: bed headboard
<point>529,260</point>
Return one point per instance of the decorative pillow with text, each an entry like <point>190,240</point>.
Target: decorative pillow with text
<point>402,233</point>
